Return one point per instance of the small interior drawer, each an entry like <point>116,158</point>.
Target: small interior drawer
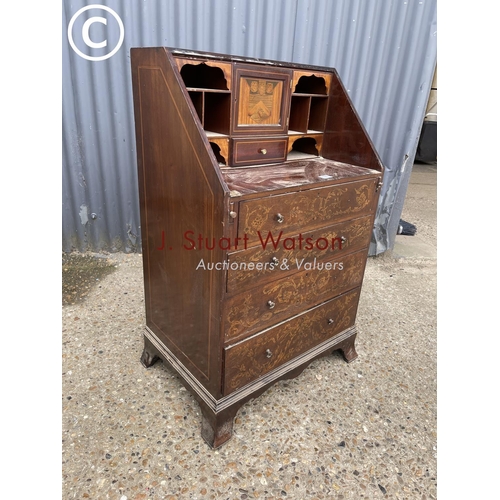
<point>255,150</point>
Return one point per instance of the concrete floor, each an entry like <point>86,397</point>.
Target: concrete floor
<point>420,209</point>
<point>344,431</point>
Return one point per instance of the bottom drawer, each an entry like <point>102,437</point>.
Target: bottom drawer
<point>251,358</point>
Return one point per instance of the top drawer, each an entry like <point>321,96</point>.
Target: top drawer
<point>296,212</point>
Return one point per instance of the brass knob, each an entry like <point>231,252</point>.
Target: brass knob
<point>233,215</point>
<point>280,218</point>
<point>275,261</point>
<point>268,353</point>
<point>263,151</point>
<point>330,321</point>
<point>271,304</point>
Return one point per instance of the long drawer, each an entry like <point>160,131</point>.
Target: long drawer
<point>249,359</point>
<point>270,303</point>
<point>274,259</point>
<point>303,211</point>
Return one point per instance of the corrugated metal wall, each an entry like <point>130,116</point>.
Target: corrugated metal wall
<point>384,51</point>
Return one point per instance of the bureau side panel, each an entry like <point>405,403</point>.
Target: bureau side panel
<point>180,197</point>
<point>345,139</point>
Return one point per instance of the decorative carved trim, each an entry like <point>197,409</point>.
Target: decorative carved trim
<point>327,77</point>
<point>225,67</point>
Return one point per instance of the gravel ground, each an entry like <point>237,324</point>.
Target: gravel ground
<point>344,431</point>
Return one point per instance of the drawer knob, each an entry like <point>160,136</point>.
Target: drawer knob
<point>233,215</point>
<point>343,239</point>
<point>263,151</point>
<point>275,261</point>
<point>280,218</point>
<point>268,353</point>
<point>271,304</point>
<point>330,321</point>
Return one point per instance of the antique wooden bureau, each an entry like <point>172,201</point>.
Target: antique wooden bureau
<point>258,190</point>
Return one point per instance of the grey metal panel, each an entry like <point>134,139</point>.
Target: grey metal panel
<point>384,50</point>
<point>385,53</point>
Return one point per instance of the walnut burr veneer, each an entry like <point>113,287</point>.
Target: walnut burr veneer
<point>258,190</point>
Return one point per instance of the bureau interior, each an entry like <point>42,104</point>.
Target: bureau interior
<point>305,108</point>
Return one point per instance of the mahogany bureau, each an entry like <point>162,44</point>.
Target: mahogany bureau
<point>258,190</point>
